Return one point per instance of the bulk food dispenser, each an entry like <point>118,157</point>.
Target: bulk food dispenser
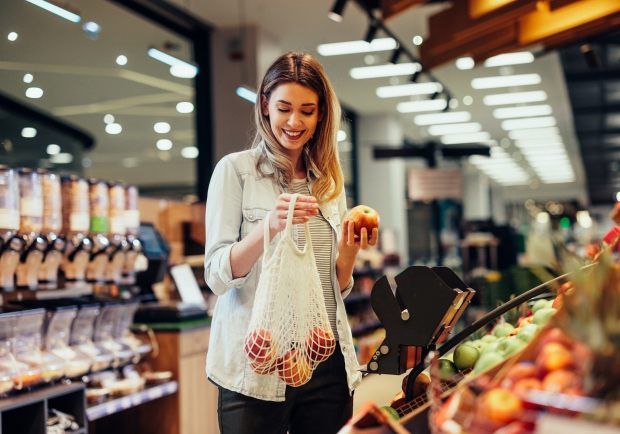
<point>52,225</point>
<point>11,245</point>
<point>117,251</point>
<point>132,227</point>
<point>30,226</point>
<point>81,338</point>
<point>99,223</point>
<point>75,225</point>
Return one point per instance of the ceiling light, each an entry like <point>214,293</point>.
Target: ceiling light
<point>526,123</point>
<point>246,94</point>
<point>618,196</point>
<point>178,67</point>
<point>395,56</point>
<point>523,111</point>
<point>388,70</point>
<point>53,149</point>
<point>440,130</point>
<point>515,97</point>
<point>417,40</point>
<point>185,107</point>
<point>452,139</point>
<point>442,118</point>
<point>408,89</point>
<point>539,141</point>
<point>121,60</point>
<point>335,14</point>
<point>425,105</point>
<point>369,59</point>
<point>28,78</point>
<point>34,92</point>
<point>341,136</point>
<point>12,36</point>
<point>164,144</point>
<point>352,47</point>
<point>61,12</point>
<point>161,127</point>
<point>468,100</point>
<point>465,63</point>
<point>108,119</point>
<point>535,132</point>
<point>509,59</point>
<point>113,128</point>
<point>91,29</point>
<point>62,158</point>
<point>189,152</point>
<point>505,81</point>
<point>29,132</point>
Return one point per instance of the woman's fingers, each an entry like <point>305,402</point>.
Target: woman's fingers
<point>374,237</point>
<point>363,238</point>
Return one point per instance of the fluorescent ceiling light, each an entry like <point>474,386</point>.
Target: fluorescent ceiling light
<point>534,133</point>
<point>440,130</point>
<point>51,7</point>
<point>246,94</point>
<point>121,60</point>
<point>189,152</point>
<point>408,89</point>
<point>425,105</point>
<point>465,63</point>
<point>388,70</point>
<point>29,132</point>
<point>12,36</point>
<point>52,149</point>
<point>505,81</point>
<point>515,97</point>
<point>164,144</point>
<point>28,78</point>
<point>353,47</point>
<point>543,152</point>
<point>540,141</point>
<point>442,118</point>
<point>183,71</point>
<point>161,127</point>
<point>517,58</point>
<point>453,139</point>
<point>185,107</point>
<point>113,128</point>
<point>341,136</point>
<point>62,158</point>
<point>34,92</point>
<point>526,123</point>
<point>178,68</point>
<point>522,112</point>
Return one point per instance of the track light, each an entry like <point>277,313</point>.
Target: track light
<point>590,56</point>
<point>372,30</point>
<point>414,77</point>
<point>395,56</point>
<point>336,13</point>
<point>434,95</point>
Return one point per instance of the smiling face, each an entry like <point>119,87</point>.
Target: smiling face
<point>293,111</point>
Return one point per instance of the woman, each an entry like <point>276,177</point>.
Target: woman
<point>297,118</point>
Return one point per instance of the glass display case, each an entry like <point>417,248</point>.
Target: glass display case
<point>123,334</point>
<point>81,338</point>
<point>8,365</point>
<point>57,334</point>
<point>104,335</point>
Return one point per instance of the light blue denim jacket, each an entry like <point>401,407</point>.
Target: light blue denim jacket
<point>237,201</point>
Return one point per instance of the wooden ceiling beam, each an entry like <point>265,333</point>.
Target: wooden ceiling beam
<point>391,8</point>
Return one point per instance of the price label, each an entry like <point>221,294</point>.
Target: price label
<point>79,222</point>
<point>9,219</point>
<point>125,403</point>
<point>132,218</point>
<point>31,207</point>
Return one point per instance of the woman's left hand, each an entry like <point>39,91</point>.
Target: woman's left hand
<point>351,243</point>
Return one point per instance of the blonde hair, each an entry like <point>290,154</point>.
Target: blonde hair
<point>320,152</point>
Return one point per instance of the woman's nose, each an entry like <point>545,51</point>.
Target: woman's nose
<point>294,120</point>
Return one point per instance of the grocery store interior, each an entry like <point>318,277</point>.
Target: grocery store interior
<point>485,133</point>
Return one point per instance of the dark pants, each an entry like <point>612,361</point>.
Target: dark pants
<point>321,406</point>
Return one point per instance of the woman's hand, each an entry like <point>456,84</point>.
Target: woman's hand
<point>350,243</point>
<point>305,207</point>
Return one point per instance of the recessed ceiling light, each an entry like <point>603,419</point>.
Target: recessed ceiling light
<point>425,105</point>
<point>505,81</point>
<point>29,132</point>
<point>369,59</point>
<point>408,89</point>
<point>464,63</point>
<point>91,29</point>
<point>28,78</point>
<point>12,36</point>
<point>121,60</point>
<point>352,47</point>
<point>108,118</point>
<point>34,92</point>
<point>341,136</point>
<point>164,144</point>
<point>451,139</point>
<point>442,118</point>
<point>189,152</point>
<point>417,40</point>
<point>161,127</point>
<point>509,59</point>
<point>515,97</point>
<point>523,111</point>
<point>387,70</point>
<point>527,123</point>
<point>441,130</point>
<point>113,128</point>
<point>468,100</point>
<point>185,107</point>
<point>62,158</point>
<point>53,149</point>
<point>87,162</point>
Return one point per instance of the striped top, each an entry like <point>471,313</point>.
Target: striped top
<point>322,243</point>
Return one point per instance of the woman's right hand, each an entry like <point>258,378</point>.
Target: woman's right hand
<point>305,207</point>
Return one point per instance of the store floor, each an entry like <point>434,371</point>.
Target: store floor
<point>378,388</point>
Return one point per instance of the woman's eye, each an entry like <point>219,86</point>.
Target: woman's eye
<point>283,110</point>
<point>308,113</point>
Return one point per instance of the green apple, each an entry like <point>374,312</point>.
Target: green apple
<point>528,332</point>
<point>487,360</point>
<point>539,304</point>
<point>550,302</point>
<point>465,356</point>
<point>543,315</point>
<point>502,329</point>
<point>510,345</point>
<point>488,339</point>
<point>447,369</point>
<point>391,412</point>
<point>490,348</point>
<point>477,344</point>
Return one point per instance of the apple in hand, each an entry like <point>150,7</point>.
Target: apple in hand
<point>294,368</point>
<point>364,216</point>
<point>320,344</point>
<point>259,348</point>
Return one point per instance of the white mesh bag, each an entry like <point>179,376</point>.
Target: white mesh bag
<point>289,332</point>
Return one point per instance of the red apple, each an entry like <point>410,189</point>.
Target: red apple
<point>320,344</point>
<point>554,356</point>
<point>294,368</point>
<point>268,366</point>
<point>259,348</point>
<point>561,380</point>
<point>499,405</point>
<point>364,217</point>
<point>519,372</point>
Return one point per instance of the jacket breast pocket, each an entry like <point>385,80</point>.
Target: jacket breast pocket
<point>252,217</point>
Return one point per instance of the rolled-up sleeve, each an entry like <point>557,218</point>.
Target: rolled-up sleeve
<point>223,223</point>
<point>342,211</point>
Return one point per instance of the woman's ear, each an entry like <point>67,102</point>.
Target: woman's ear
<point>264,105</point>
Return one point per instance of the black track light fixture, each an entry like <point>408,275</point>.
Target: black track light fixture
<point>395,55</point>
<point>335,14</point>
<point>373,26</point>
<point>434,95</point>
<point>415,76</point>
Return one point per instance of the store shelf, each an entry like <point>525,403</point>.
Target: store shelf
<point>39,395</point>
<point>365,328</point>
<point>371,272</point>
<point>119,404</point>
<point>44,294</point>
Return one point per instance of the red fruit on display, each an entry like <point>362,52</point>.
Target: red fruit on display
<point>554,356</point>
<point>364,217</point>
<point>259,348</point>
<point>294,368</point>
<point>524,385</point>
<point>320,344</point>
<point>499,405</point>
<point>518,372</point>
<point>561,380</point>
